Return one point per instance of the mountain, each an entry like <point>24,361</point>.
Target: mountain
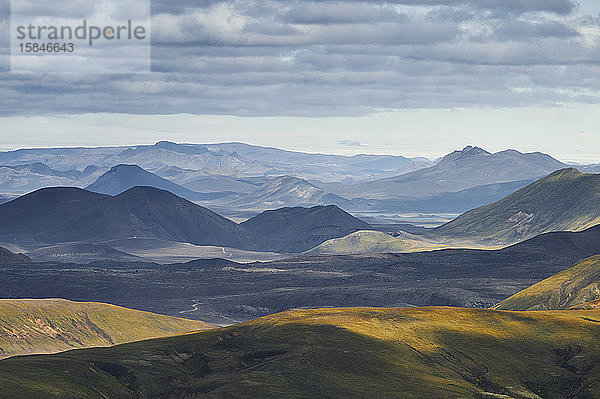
<point>287,191</point>
<point>62,214</point>
<point>29,177</point>
<point>79,253</point>
<point>409,353</point>
<point>299,229</point>
<point>571,287</point>
<point>7,257</point>
<point>566,200</point>
<point>55,325</point>
<point>457,171</point>
<point>121,178</point>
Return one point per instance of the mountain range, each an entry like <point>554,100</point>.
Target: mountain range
<point>239,179</point>
<point>227,159</point>
<point>64,215</point>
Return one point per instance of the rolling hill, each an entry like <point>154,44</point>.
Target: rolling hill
<point>457,171</point>
<point>570,288</point>
<point>566,200</point>
<point>299,229</point>
<point>409,353</point>
<point>556,244</point>
<point>62,214</point>
<point>53,325</point>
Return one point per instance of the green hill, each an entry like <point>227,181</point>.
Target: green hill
<point>354,353</point>
<point>566,200</point>
<point>376,242</point>
<point>53,325</point>
<point>571,287</point>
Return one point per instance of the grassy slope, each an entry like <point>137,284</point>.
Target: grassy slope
<point>52,325</point>
<point>338,353</point>
<point>566,200</point>
<point>571,287</point>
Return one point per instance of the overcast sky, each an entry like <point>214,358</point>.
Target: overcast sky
<point>410,77</point>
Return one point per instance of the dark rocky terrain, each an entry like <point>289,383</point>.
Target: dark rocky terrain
<point>221,291</point>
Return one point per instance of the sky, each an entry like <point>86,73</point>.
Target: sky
<point>406,77</point>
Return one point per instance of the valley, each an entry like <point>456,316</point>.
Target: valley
<point>298,272</point>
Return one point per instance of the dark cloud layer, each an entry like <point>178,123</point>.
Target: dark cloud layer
<point>277,57</point>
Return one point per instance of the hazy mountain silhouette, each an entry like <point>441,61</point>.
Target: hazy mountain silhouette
<point>121,178</point>
<point>457,171</point>
<point>287,191</point>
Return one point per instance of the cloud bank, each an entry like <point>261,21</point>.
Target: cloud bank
<point>328,58</point>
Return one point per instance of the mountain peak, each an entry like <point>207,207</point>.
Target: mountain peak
<point>469,152</point>
<point>567,172</point>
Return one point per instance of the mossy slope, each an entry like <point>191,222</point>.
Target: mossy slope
<point>566,200</point>
<point>370,353</point>
<point>572,287</point>
<point>53,325</point>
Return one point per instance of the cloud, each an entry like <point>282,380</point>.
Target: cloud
<point>326,58</point>
<point>349,143</point>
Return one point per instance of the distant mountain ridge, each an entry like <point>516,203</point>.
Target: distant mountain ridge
<point>566,200</point>
<point>457,171</point>
<point>224,159</point>
<point>29,177</point>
